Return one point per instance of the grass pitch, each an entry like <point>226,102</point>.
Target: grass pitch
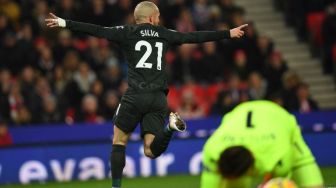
<point>180,181</point>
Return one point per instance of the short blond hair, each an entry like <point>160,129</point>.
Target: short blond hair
<point>144,10</point>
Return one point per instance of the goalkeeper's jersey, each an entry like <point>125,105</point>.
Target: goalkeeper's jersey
<point>269,137</point>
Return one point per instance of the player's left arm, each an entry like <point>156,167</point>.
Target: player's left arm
<point>110,33</point>
<point>176,37</point>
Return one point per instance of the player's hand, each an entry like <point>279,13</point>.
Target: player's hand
<point>238,31</point>
<point>55,21</point>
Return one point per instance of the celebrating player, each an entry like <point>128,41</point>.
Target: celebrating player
<point>145,44</point>
<point>258,139</point>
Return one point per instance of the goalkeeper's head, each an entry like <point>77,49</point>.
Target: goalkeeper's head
<point>147,12</point>
<point>235,162</point>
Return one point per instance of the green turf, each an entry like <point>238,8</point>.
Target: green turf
<point>181,181</point>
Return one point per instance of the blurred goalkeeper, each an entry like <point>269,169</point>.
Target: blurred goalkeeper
<point>258,139</point>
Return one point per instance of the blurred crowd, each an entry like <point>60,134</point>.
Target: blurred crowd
<point>50,76</point>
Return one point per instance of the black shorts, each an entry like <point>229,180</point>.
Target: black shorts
<point>148,109</point>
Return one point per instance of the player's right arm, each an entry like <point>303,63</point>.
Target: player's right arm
<point>110,33</point>
<point>305,171</point>
<point>175,37</point>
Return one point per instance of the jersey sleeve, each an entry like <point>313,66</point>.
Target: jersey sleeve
<point>116,34</point>
<point>175,37</point>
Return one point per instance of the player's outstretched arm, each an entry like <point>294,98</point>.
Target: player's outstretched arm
<point>55,21</point>
<point>238,31</point>
<point>206,36</point>
<point>111,33</point>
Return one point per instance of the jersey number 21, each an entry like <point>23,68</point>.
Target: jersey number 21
<point>142,62</point>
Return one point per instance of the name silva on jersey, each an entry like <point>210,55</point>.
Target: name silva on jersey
<point>149,33</point>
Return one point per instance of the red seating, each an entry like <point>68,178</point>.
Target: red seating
<point>212,92</point>
<point>174,98</point>
<point>80,44</point>
<point>198,90</point>
<point>314,25</point>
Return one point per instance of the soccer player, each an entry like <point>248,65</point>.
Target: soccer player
<point>145,45</point>
<point>258,139</point>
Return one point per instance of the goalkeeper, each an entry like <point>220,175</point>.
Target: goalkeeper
<point>258,139</point>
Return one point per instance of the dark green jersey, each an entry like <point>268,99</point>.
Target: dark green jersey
<point>145,46</point>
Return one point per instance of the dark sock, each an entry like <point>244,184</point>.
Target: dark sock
<point>160,142</point>
<point>117,164</point>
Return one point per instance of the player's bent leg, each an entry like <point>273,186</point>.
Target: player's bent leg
<point>156,145</point>
<point>308,176</point>
<point>118,156</point>
<point>148,140</point>
<point>156,142</point>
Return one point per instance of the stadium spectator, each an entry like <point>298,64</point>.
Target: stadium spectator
<point>16,102</point>
<point>265,49</point>
<point>105,57</point>
<point>189,108</point>
<point>46,63</point>
<point>91,53</point>
<point>63,45</point>
<point>112,76</point>
<point>274,70</point>
<point>59,81</point>
<point>34,100</point>
<point>97,89</point>
<point>185,66</point>
<point>201,13</point>
<point>40,13</point>
<point>97,12</point>
<point>70,63</point>
<point>84,77</point>
<point>185,22</point>
<point>212,63</point>
<point>24,116</point>
<point>25,44</point>
<point>66,9</point>
<point>28,82</point>
<point>89,110</point>
<point>304,103</point>
<point>111,104</point>
<point>236,93</point>
<point>10,54</point>
<point>5,136</point>
<point>228,8</point>
<point>5,27</point>
<point>240,66</point>
<point>257,86</point>
<point>223,104</point>
<point>120,11</point>
<point>290,81</point>
<point>51,113</point>
<point>11,9</point>
<point>252,49</point>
